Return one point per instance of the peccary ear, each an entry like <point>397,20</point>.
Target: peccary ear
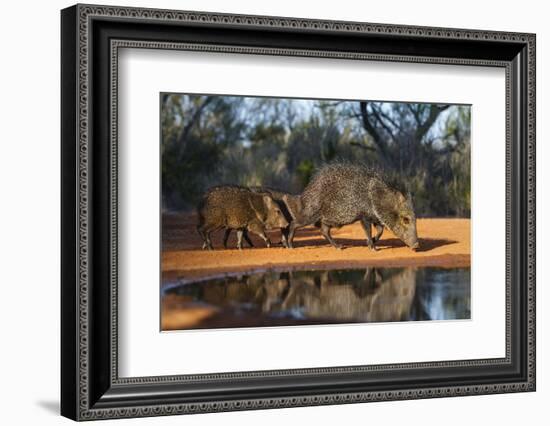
<point>402,199</point>
<point>387,202</point>
<point>268,201</point>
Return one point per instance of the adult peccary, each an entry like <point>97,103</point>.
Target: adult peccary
<point>234,207</point>
<point>340,194</point>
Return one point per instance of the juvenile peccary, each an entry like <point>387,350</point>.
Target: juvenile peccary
<point>234,207</point>
<point>340,194</point>
<point>288,203</point>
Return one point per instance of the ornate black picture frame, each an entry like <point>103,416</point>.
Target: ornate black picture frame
<point>91,36</point>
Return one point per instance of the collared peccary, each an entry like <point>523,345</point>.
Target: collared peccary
<point>340,194</point>
<point>235,207</point>
<point>288,203</point>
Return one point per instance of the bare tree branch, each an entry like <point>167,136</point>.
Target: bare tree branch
<point>391,120</point>
<point>424,126</point>
<point>378,140</point>
<point>415,113</point>
<point>363,146</point>
<point>381,122</point>
<point>165,97</point>
<point>329,104</point>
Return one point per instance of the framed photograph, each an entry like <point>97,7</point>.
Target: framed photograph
<point>263,212</point>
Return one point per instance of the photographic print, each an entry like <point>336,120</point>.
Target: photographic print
<point>324,189</point>
<point>283,212</point>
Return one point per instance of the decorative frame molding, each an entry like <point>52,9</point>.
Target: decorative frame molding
<point>91,388</point>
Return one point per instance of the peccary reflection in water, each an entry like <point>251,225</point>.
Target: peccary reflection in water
<point>335,296</point>
<point>372,297</point>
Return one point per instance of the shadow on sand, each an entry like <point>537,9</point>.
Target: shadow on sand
<point>426,244</point>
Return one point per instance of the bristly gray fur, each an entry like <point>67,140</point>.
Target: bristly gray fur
<point>341,193</point>
<point>390,179</point>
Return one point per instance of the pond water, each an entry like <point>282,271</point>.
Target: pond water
<point>318,297</point>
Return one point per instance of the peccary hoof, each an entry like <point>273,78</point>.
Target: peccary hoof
<point>373,248</point>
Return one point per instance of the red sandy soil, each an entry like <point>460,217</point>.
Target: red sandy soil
<point>180,313</point>
<point>443,243</point>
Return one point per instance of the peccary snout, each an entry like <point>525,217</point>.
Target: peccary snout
<point>288,203</point>
<point>275,217</point>
<point>405,230</point>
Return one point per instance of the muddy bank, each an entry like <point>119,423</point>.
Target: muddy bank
<point>443,243</point>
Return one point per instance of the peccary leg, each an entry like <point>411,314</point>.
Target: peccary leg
<point>379,231</point>
<point>284,237</point>
<point>226,237</point>
<point>247,238</point>
<point>203,236</point>
<point>265,238</point>
<point>208,241</point>
<point>290,237</point>
<point>244,234</point>
<point>325,230</point>
<point>368,232</point>
<point>240,233</point>
<point>292,230</point>
<point>259,230</point>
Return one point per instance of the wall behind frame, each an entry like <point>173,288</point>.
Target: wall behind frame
<point>30,224</point>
